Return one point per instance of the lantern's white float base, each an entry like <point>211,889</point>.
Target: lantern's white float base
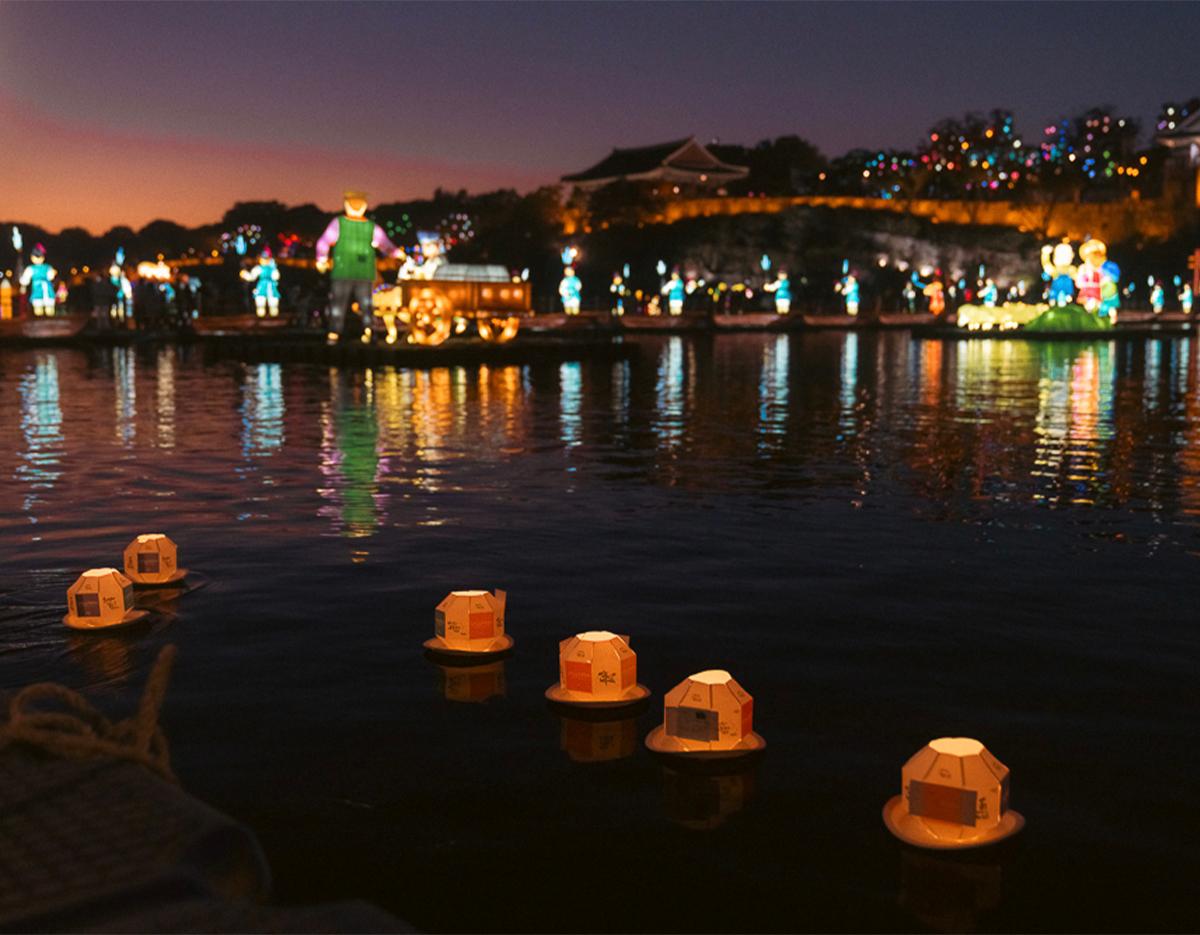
<point>944,835</point>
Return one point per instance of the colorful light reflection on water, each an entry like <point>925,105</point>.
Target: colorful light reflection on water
<point>885,539</point>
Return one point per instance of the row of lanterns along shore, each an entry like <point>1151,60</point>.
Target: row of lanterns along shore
<point>954,793</point>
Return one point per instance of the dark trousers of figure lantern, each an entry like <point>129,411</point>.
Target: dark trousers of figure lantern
<point>343,293</point>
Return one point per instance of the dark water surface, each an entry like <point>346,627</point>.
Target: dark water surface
<point>884,540</point>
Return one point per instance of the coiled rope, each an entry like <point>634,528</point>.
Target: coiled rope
<point>82,732</point>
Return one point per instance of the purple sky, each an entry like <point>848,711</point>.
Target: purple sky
<point>120,113</point>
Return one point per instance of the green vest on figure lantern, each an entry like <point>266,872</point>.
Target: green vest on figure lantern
<point>353,254</point>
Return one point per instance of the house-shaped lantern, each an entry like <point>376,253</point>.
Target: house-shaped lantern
<point>101,597</point>
<point>152,559</point>
<point>954,794</point>
<point>473,683</point>
<point>470,623</point>
<point>597,669</point>
<point>589,741</point>
<point>707,716</point>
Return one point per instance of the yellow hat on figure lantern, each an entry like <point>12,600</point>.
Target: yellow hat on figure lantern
<point>470,623</point>
<point>152,560</point>
<point>597,669</point>
<point>100,598</point>
<point>954,794</point>
<point>707,716</point>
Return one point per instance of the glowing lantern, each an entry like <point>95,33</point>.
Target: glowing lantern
<point>473,683</point>
<point>954,795</point>
<point>101,597</point>
<point>597,669</point>
<point>707,715</point>
<point>589,741</point>
<point>152,559</point>
<point>470,623</point>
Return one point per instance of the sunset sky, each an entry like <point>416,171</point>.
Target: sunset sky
<point>122,113</point>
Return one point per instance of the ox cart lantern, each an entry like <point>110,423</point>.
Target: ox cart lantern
<point>457,295</point>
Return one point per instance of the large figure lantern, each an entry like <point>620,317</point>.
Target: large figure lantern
<point>37,280</point>
<point>1089,277</point>
<point>1058,267</point>
<point>347,250</point>
<point>265,276</point>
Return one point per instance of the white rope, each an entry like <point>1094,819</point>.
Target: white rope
<point>82,732</point>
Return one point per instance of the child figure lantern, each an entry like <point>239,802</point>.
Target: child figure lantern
<point>675,290</point>
<point>707,715</point>
<point>1089,277</point>
<point>597,669</point>
<point>1185,297</point>
<point>989,294</point>
<point>121,290</point>
<point>37,279</point>
<point>571,291</point>
<point>783,293</point>
<point>1058,268</point>
<point>101,597</point>
<point>265,276</point>
<point>954,794</point>
<point>1157,297</point>
<point>470,623</point>
<point>848,287</point>
<point>153,559</point>
<point>351,240</point>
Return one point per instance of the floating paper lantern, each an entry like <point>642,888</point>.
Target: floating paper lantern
<point>707,716</point>
<point>954,794</point>
<point>597,669</point>
<point>473,683</point>
<point>470,623</point>
<point>101,597</point>
<point>589,741</point>
<point>152,559</point>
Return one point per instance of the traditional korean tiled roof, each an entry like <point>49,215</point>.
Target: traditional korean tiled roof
<point>685,155</point>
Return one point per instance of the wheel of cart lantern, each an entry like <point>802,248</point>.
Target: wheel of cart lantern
<point>498,329</point>
<point>430,317</point>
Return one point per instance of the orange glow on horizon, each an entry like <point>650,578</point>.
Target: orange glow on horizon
<point>74,174</point>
